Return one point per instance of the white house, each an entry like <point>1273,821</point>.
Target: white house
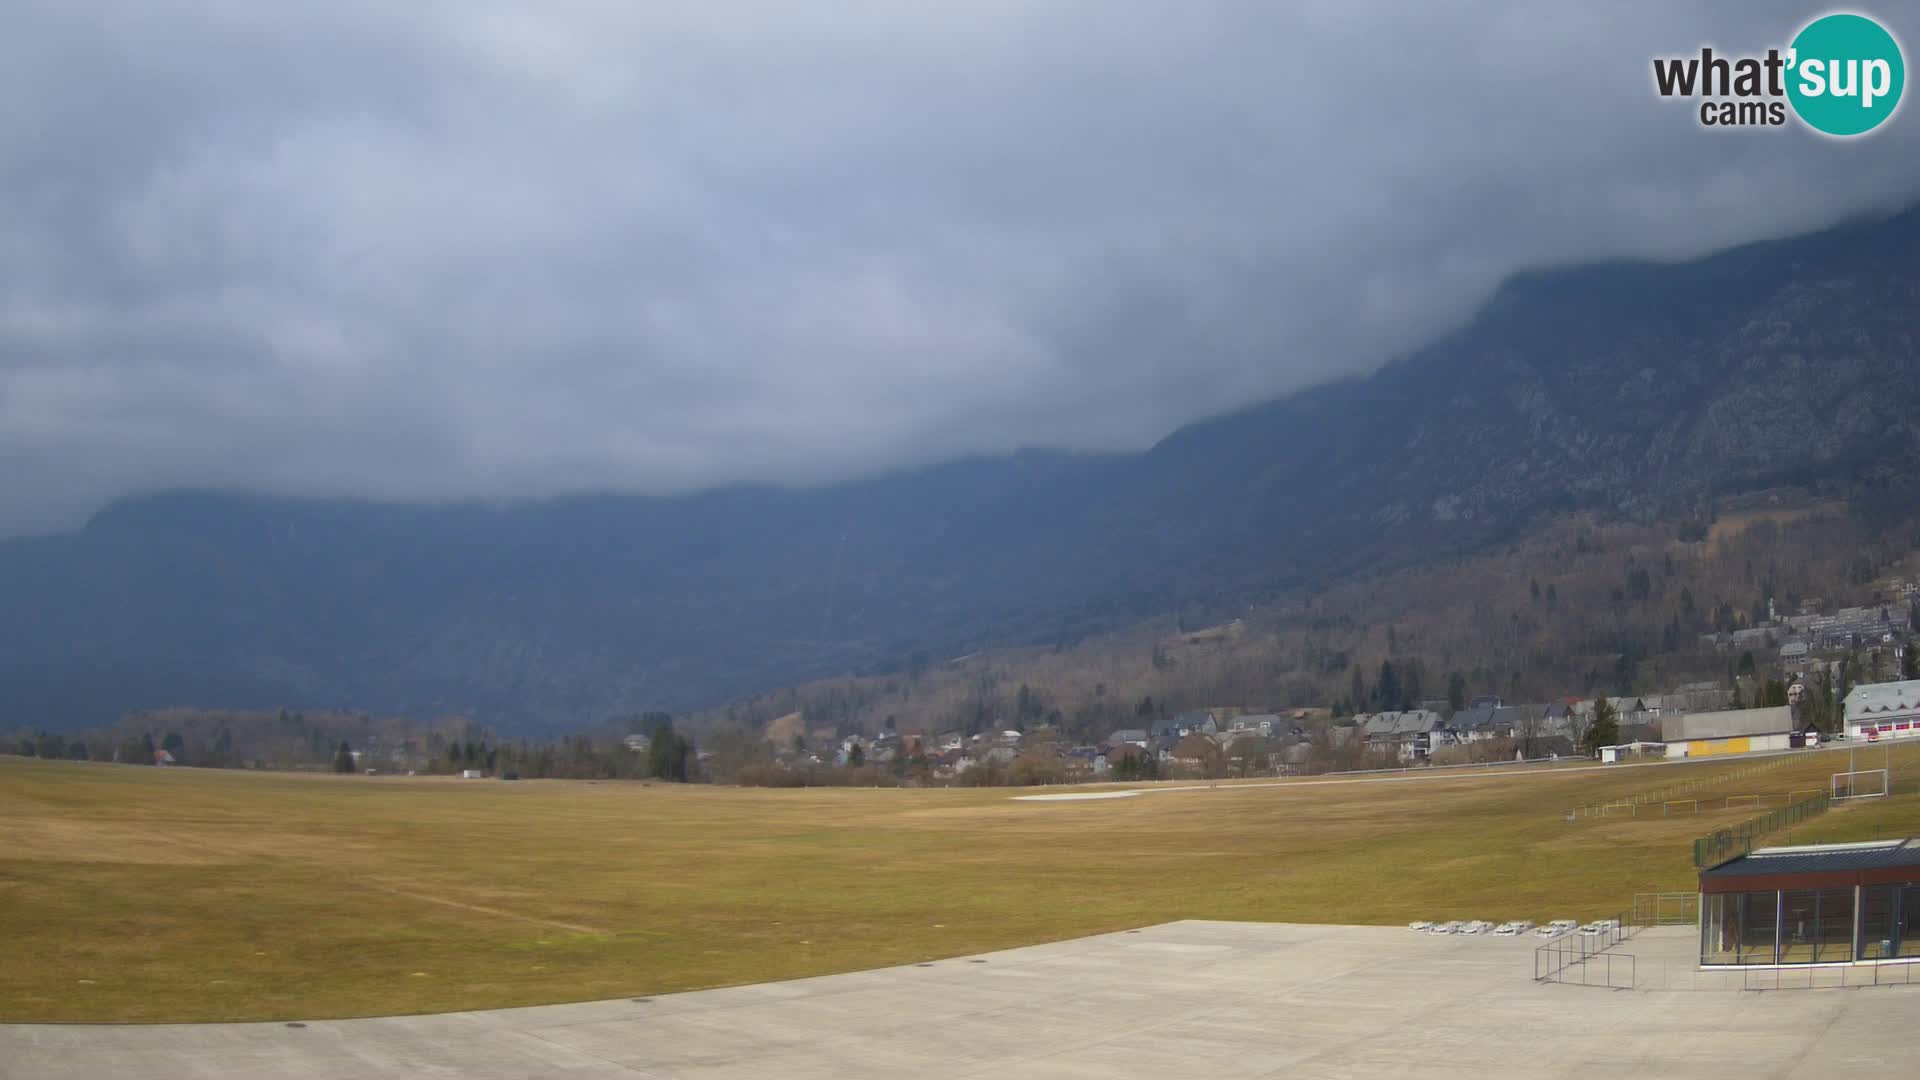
<point>1883,711</point>
<point>1610,755</point>
<point>1264,723</point>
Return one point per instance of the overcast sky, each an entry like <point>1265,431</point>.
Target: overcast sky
<point>432,249</point>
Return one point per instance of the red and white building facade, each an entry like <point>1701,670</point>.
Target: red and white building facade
<point>1880,711</point>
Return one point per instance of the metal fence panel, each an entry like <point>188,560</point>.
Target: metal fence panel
<point>1729,843</point>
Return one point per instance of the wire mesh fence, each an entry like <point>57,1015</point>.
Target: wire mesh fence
<point>1581,956</point>
<point>1734,841</point>
<point>1829,976</point>
<point>1669,808</point>
<point>1666,957</point>
<point>1666,909</point>
<point>1614,971</point>
<point>1633,805</point>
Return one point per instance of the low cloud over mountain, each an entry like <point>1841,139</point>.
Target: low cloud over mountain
<point>443,249</point>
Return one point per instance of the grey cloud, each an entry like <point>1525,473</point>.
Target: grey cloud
<point>507,249</point>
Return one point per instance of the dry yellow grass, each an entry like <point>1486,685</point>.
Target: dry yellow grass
<point>149,894</point>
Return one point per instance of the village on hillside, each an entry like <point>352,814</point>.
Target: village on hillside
<point>1798,680</point>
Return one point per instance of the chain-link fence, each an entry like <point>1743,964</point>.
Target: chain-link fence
<point>1581,956</point>
<point>1668,973</point>
<point>1734,841</point>
<point>1666,958</point>
<point>1666,909</point>
<point>1632,804</point>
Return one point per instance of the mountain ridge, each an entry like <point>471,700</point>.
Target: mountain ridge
<point>1637,388</point>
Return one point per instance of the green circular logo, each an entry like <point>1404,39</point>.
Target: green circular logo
<point>1845,74</point>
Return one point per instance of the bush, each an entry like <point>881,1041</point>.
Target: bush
<point>1031,769</point>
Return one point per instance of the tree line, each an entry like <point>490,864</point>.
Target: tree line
<point>668,753</point>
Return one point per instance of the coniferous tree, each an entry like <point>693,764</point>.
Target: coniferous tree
<point>1387,694</point>
<point>343,758</point>
<point>1822,701</point>
<point>1604,730</point>
<point>668,754</point>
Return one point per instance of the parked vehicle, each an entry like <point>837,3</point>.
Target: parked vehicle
<point>1420,925</point>
<point>1446,927</point>
<point>1557,927</point>
<point>1517,926</point>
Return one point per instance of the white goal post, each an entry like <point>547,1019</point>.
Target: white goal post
<point>1863,784</point>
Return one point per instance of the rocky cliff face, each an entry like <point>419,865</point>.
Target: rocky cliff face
<point>1640,389</point>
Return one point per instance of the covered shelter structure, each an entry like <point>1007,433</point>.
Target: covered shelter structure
<point>1818,904</point>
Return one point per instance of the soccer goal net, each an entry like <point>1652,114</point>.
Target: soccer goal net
<point>1864,784</point>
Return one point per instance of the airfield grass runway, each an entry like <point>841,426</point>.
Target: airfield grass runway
<point>142,894</point>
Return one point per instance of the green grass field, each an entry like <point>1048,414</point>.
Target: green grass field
<point>142,894</point>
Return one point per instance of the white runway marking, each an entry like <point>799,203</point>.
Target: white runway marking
<point>1445,772</point>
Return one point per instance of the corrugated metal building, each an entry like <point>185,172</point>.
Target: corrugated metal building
<point>1733,731</point>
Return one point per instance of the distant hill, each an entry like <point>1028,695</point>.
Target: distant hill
<point>1639,389</point>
